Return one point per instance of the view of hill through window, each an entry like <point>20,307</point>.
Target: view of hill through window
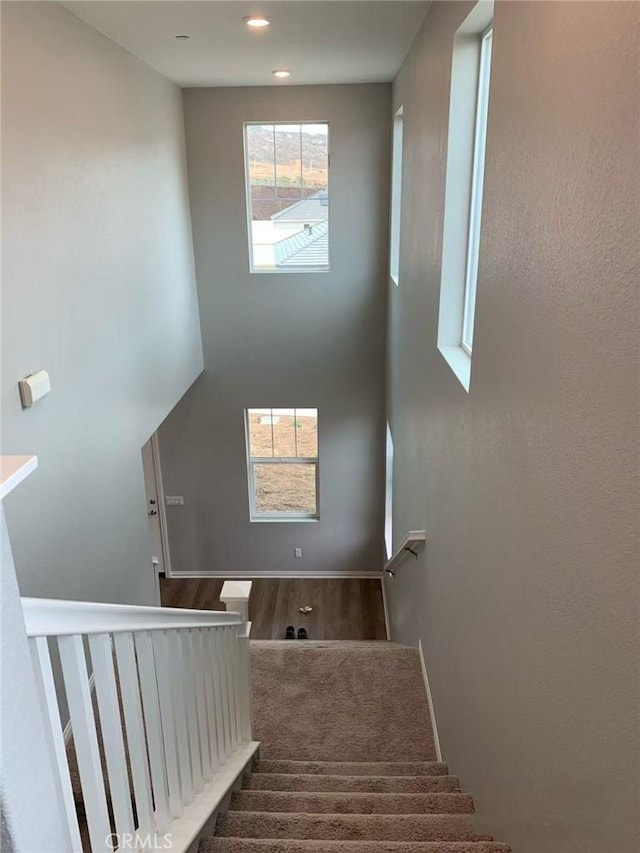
<point>288,195</point>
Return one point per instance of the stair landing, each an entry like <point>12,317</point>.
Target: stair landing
<point>340,701</point>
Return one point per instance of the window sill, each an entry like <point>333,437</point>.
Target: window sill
<point>289,271</point>
<point>459,361</point>
<point>285,519</point>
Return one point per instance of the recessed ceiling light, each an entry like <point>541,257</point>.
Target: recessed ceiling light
<point>182,37</point>
<point>282,73</point>
<point>257,21</point>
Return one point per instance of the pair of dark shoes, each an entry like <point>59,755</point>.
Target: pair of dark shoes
<point>291,633</point>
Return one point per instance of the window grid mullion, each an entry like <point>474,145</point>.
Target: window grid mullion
<point>301,167</point>
<point>284,460</point>
<point>275,165</point>
<point>273,441</point>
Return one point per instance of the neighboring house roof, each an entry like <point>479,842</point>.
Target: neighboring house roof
<point>312,209</point>
<point>307,248</point>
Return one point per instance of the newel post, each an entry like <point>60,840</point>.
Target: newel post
<point>235,597</point>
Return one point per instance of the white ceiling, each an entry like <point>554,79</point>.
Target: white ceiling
<point>320,41</point>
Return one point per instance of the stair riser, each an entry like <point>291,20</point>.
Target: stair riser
<point>351,803</point>
<point>348,827</point>
<point>354,768</point>
<point>368,784</point>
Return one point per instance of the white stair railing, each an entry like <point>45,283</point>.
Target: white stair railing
<point>173,693</point>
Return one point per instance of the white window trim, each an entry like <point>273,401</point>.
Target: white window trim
<point>247,193</point>
<point>254,513</point>
<point>477,187</point>
<point>463,193</point>
<point>396,196</point>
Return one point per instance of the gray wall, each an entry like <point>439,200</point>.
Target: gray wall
<point>98,289</point>
<point>307,340</point>
<point>526,599</point>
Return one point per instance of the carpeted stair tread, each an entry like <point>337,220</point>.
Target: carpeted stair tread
<point>370,784</point>
<point>375,827</point>
<point>354,768</point>
<point>285,845</point>
<point>349,764</point>
<point>341,701</point>
<point>349,802</point>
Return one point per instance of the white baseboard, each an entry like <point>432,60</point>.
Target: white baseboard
<point>432,713</point>
<point>257,575</point>
<point>387,623</point>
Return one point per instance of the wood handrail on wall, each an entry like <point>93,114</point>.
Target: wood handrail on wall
<point>411,544</point>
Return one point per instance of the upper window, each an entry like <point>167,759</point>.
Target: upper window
<point>396,197</point>
<point>287,169</point>
<point>282,455</point>
<point>468,110</point>
<point>477,181</point>
<point>388,496</point>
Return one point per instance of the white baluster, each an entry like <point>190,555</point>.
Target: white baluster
<point>195,652</point>
<point>207,675</point>
<point>221,660</point>
<point>245,674</point>
<point>214,662</point>
<point>85,739</point>
<point>169,737</point>
<point>190,703</point>
<point>238,682</point>
<point>231,678</point>
<point>180,714</point>
<point>55,739</point>
<point>111,726</point>
<point>151,709</point>
<point>130,691</point>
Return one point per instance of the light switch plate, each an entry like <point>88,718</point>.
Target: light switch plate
<point>297,552</point>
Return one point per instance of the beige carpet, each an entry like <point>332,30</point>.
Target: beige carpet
<point>347,759</point>
<point>343,701</point>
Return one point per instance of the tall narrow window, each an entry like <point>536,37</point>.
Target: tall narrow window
<point>388,497</point>
<point>287,174</point>
<point>477,182</point>
<point>396,197</point>
<point>282,457</point>
<point>468,112</point>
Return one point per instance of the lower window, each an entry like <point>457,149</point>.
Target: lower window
<point>282,458</point>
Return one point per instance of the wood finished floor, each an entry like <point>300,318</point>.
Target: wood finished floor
<point>343,608</point>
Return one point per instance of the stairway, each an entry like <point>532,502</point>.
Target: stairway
<point>347,762</point>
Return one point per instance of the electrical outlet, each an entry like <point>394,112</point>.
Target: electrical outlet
<point>174,500</point>
<point>297,552</point>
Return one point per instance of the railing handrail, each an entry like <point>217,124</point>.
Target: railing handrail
<point>45,617</point>
<point>409,545</point>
